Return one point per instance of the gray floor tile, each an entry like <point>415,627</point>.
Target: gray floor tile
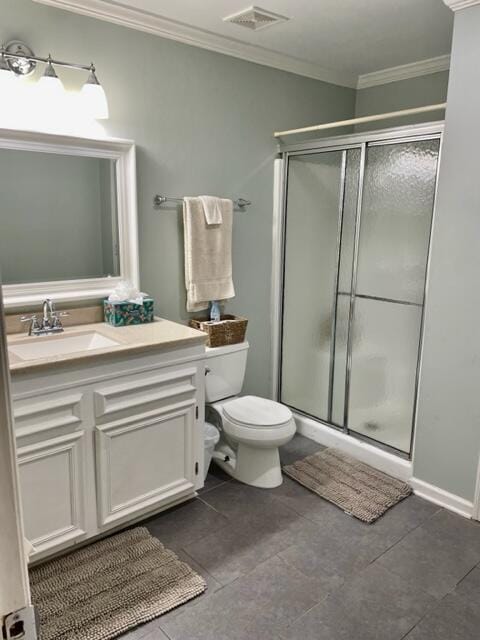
<point>458,531</point>
<point>469,587</point>
<point>305,502</point>
<point>392,526</point>
<point>215,477</point>
<point>237,549</point>
<point>239,502</point>
<point>342,545</point>
<point>334,553</point>
<point>256,606</point>
<point>429,561</point>
<point>149,630</point>
<point>454,618</point>
<point>404,517</point>
<point>375,605</point>
<point>185,524</point>
<point>299,447</point>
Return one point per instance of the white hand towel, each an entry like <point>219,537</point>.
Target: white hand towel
<point>208,255</point>
<point>213,207</point>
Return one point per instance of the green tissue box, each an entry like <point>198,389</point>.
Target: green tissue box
<point>121,314</point>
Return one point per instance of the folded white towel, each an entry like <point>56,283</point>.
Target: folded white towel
<point>208,255</point>
<point>213,208</point>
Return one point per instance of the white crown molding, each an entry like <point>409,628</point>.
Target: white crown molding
<point>123,15</point>
<point>404,71</point>
<point>456,5</point>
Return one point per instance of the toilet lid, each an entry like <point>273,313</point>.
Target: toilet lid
<point>257,412</point>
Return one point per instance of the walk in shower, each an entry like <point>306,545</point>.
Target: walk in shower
<point>357,217</point>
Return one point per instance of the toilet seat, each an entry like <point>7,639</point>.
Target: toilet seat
<point>255,413</point>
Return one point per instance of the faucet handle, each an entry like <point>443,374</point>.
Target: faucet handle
<point>56,315</point>
<point>33,320</point>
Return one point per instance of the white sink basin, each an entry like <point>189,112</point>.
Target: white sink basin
<point>55,345</point>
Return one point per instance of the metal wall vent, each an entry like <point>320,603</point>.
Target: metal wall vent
<point>255,18</point>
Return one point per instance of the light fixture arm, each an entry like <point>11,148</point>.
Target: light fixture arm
<point>59,63</point>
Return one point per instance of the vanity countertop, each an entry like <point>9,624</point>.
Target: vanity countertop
<point>160,334</point>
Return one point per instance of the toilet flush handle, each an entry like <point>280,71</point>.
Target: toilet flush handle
<point>207,371</point>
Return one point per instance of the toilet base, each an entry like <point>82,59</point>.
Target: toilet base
<point>251,465</point>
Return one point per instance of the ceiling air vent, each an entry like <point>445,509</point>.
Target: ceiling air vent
<point>255,18</point>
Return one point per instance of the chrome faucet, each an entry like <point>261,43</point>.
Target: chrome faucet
<point>50,322</point>
<point>47,313</point>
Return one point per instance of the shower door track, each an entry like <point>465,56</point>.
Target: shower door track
<point>343,143</point>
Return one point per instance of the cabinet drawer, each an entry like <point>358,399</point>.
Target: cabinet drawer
<point>143,392</point>
<point>52,484</point>
<point>143,463</point>
<point>48,415</point>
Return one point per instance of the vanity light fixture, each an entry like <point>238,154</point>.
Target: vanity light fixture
<point>17,59</point>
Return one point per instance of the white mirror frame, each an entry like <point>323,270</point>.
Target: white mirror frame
<point>123,152</point>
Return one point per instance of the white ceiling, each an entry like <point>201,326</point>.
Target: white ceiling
<point>342,39</point>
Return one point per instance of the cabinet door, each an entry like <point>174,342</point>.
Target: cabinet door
<point>52,491</point>
<point>144,462</point>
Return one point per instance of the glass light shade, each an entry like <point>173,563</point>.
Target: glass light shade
<point>49,85</point>
<point>94,98</point>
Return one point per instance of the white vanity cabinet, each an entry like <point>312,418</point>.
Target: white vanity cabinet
<point>104,441</point>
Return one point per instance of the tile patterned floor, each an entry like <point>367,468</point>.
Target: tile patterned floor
<point>287,565</point>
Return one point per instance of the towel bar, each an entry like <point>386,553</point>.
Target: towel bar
<point>158,200</point>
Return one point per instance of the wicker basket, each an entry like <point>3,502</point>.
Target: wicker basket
<point>230,330</point>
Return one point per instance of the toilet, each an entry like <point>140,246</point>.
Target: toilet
<point>251,428</point>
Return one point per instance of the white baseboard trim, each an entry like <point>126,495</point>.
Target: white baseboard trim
<point>441,497</point>
<point>377,458</point>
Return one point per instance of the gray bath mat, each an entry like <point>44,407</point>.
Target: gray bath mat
<point>353,486</point>
<point>108,587</point>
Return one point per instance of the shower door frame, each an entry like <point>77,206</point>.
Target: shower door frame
<point>361,141</point>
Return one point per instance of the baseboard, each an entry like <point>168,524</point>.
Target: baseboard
<point>375,457</point>
<point>441,497</point>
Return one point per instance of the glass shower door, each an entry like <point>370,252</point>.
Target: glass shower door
<point>313,223</point>
<point>357,232</point>
<point>395,221</point>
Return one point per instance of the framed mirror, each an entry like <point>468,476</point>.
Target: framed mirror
<point>68,216</point>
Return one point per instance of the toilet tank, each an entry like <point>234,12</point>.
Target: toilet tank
<point>225,371</point>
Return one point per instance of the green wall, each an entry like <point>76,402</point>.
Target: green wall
<point>203,123</point>
<point>448,427</point>
<point>403,94</point>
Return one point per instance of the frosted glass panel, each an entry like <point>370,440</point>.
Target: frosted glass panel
<point>312,225</point>
<point>384,364</point>
<point>397,208</point>
<point>340,366</point>
<point>352,176</point>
